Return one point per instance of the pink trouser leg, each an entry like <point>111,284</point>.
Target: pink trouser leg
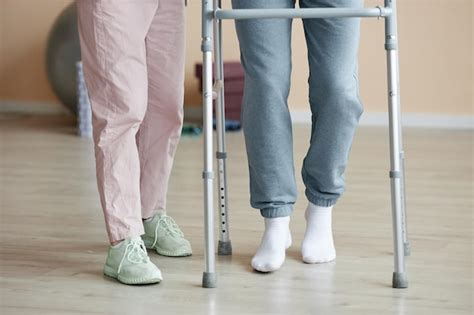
<point>161,129</point>
<point>113,45</point>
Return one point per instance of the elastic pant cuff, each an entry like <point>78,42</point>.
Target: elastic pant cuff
<point>276,212</point>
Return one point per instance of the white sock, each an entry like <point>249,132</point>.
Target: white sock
<point>318,244</point>
<point>276,239</point>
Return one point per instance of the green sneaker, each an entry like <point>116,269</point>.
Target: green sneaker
<point>163,235</point>
<point>129,263</point>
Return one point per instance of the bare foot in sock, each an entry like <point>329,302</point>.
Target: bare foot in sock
<point>318,244</point>
<point>272,250</point>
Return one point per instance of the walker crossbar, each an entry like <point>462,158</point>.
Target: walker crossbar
<point>212,16</point>
<point>239,14</point>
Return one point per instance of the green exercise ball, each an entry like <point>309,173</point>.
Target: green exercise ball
<point>62,53</point>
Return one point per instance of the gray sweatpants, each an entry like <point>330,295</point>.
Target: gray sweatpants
<point>334,99</point>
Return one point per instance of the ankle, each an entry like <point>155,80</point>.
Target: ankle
<point>277,222</point>
<point>116,244</point>
<point>313,211</point>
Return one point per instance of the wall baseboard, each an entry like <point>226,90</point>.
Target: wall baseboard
<point>374,119</point>
<point>415,120</point>
<point>31,107</point>
<point>191,113</point>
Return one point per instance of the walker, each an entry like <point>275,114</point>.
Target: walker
<point>212,16</point>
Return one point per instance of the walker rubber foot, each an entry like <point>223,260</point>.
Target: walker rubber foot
<point>399,280</point>
<point>224,248</point>
<point>209,280</point>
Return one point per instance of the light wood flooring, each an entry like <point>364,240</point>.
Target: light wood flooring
<point>53,243</point>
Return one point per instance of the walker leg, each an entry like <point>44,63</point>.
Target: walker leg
<point>209,279</point>
<point>406,242</point>
<point>399,279</point>
<point>225,246</point>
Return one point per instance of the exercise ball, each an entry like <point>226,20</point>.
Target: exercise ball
<point>62,53</point>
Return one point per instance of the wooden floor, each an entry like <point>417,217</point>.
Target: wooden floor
<point>53,242</point>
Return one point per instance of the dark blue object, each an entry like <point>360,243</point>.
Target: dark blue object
<point>191,130</point>
<point>230,125</point>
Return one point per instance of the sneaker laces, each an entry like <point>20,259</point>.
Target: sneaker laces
<point>135,252</point>
<point>169,226</point>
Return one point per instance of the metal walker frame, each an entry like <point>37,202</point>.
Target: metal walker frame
<point>212,16</point>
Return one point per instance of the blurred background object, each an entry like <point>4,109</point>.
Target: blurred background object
<point>233,88</point>
<point>63,51</point>
<point>84,111</point>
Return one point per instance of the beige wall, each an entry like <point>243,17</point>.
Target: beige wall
<point>24,26</point>
<point>436,55</point>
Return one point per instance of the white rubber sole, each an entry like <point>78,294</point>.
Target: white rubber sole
<point>108,271</point>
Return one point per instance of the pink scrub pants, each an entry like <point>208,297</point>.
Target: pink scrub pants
<point>133,57</point>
